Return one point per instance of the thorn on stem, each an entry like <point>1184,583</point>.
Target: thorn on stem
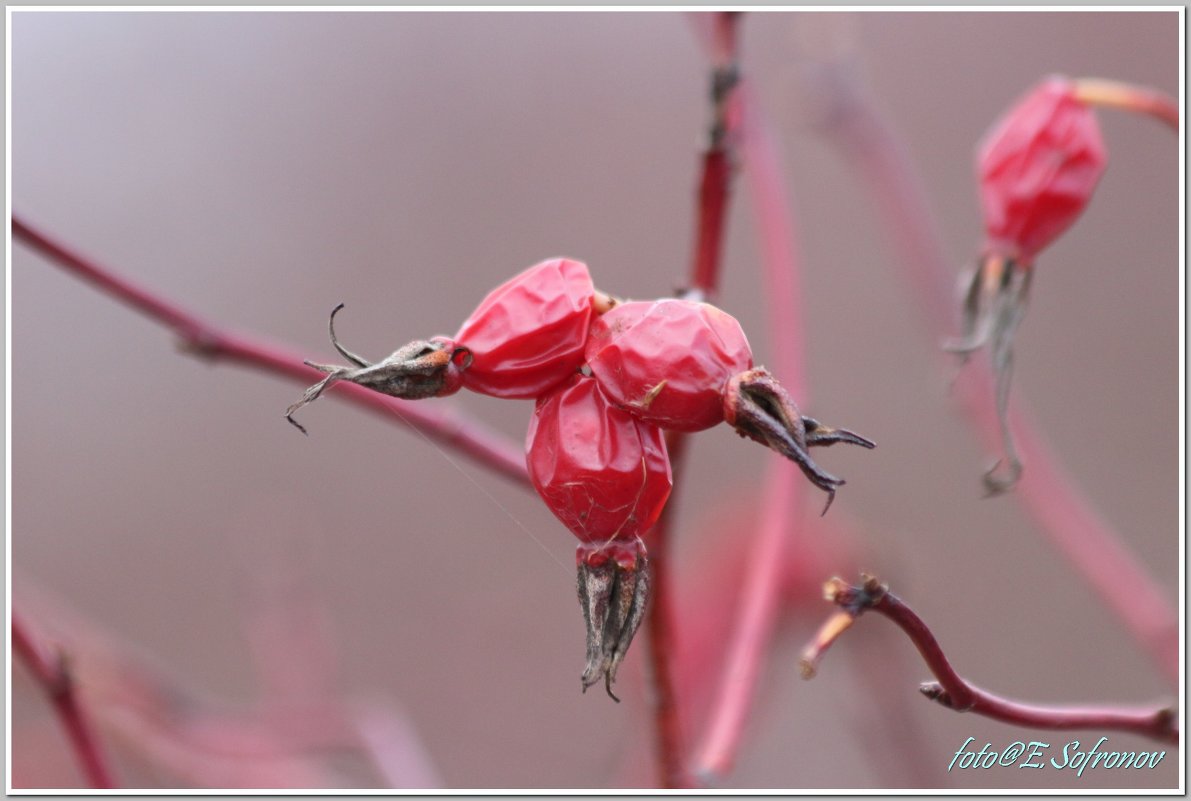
<point>933,691</point>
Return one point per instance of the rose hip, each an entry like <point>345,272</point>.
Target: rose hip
<point>602,472</point>
<point>524,338</point>
<point>668,361</point>
<point>686,366</point>
<point>606,476</point>
<point>1038,168</point>
<point>528,334</point>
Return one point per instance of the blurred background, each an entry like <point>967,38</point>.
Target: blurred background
<point>245,606</point>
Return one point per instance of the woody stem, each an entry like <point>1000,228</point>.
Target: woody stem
<point>954,692</point>
<point>202,338</point>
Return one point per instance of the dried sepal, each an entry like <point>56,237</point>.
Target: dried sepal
<point>422,369</point>
<point>613,585</point>
<point>994,305</point>
<point>759,408</point>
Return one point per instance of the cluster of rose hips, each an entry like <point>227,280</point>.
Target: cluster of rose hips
<point>608,377</point>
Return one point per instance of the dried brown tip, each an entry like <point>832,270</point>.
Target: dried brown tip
<point>852,601</point>
<point>421,369</point>
<point>759,408</point>
<point>819,435</point>
<point>613,599</point>
<point>828,633</point>
<point>994,306</point>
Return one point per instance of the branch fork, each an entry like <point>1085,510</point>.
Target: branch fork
<point>956,693</point>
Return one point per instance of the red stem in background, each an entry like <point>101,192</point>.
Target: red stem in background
<point>53,674</point>
<point>667,729</point>
<point>1051,496</point>
<point>761,593</point>
<point>954,692</point>
<point>1127,97</point>
<point>443,426</point>
<point>713,202</point>
<point>713,197</point>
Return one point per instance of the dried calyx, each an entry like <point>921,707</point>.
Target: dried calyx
<point>994,305</point>
<point>759,408</point>
<point>422,369</point>
<point>613,591</point>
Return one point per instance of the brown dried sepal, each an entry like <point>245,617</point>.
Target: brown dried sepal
<point>422,369</point>
<point>613,592</point>
<point>759,408</point>
<point>994,305</point>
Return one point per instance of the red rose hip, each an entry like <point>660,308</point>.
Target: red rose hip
<point>528,334</point>
<point>602,472</point>
<point>524,338</point>
<point>686,366</point>
<point>1038,168</point>
<point>668,361</point>
<point>606,476</point>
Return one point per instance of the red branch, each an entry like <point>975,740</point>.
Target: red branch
<point>1127,97</point>
<point>53,674</point>
<point>1048,492</point>
<point>954,692</point>
<point>761,594</point>
<point>714,186</point>
<point>441,425</point>
<point>667,729</point>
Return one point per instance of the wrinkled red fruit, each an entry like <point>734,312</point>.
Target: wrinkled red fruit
<point>668,361</point>
<point>603,473</point>
<point>606,476</point>
<point>1038,168</point>
<point>528,334</point>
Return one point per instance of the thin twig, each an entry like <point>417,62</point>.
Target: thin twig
<point>198,336</point>
<point>954,692</point>
<point>761,594</point>
<point>1048,492</point>
<point>53,674</point>
<point>1128,97</point>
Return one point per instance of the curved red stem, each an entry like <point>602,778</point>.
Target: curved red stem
<point>441,425</point>
<point>954,692</point>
